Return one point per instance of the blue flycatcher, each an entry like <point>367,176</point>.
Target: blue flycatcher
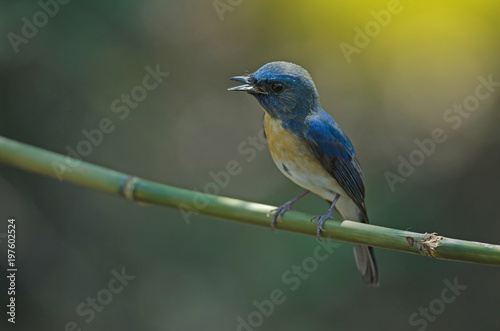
<point>310,148</point>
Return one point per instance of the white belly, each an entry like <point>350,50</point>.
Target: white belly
<point>295,160</point>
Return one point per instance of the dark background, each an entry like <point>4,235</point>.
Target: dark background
<point>205,275</point>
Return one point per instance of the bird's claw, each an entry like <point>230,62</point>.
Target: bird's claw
<point>321,220</point>
<point>278,213</point>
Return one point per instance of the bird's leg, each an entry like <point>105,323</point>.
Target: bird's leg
<point>278,212</point>
<point>322,218</point>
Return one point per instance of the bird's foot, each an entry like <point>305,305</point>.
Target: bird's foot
<point>278,213</point>
<point>321,220</point>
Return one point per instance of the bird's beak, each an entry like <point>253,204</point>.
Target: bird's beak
<point>248,85</point>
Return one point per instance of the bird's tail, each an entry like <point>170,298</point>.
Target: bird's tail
<point>365,259</point>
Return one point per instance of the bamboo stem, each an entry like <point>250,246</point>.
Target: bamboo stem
<point>142,191</point>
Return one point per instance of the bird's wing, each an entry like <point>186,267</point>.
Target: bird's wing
<point>334,151</point>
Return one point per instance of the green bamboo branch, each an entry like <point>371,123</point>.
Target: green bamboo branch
<point>142,191</point>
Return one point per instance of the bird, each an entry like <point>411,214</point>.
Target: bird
<point>309,147</point>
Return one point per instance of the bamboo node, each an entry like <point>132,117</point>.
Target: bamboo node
<point>429,243</point>
<point>129,186</point>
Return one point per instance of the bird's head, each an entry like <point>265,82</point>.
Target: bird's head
<point>285,90</point>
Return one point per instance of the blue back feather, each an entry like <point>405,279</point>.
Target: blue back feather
<point>300,112</point>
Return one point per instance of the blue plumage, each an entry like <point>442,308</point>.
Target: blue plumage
<point>334,150</point>
<point>310,148</point>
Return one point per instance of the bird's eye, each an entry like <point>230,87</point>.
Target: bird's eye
<point>277,87</point>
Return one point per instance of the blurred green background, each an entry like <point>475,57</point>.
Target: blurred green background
<point>204,275</point>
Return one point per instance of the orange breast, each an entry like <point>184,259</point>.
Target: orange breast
<point>282,144</point>
<point>286,148</point>
<point>295,160</point>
